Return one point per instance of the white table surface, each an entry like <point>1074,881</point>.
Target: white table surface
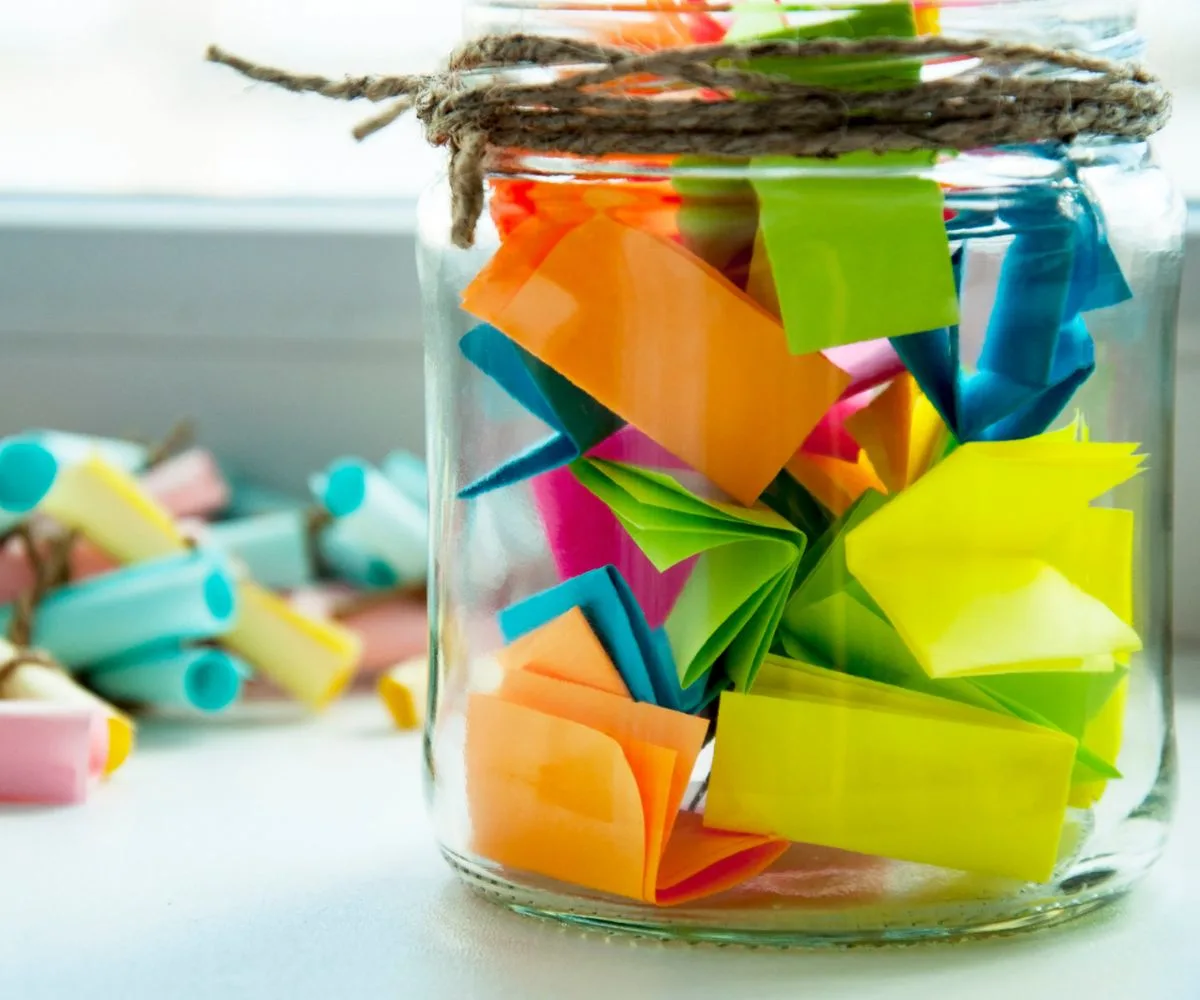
<point>276,857</point>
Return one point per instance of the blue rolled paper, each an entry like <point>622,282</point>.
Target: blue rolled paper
<point>375,525</point>
<point>27,472</point>
<point>249,500</point>
<point>71,449</point>
<point>172,676</point>
<point>578,421</point>
<point>641,655</point>
<point>185,597</point>
<point>1037,351</point>
<point>409,474</point>
<point>274,548</point>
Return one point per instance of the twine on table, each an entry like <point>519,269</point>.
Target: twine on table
<point>50,570</point>
<point>695,102</point>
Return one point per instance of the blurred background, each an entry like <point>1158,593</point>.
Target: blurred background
<point>176,243</point>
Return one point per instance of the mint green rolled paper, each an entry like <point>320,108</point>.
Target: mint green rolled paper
<point>274,548</point>
<point>172,676</point>
<point>250,499</point>
<point>71,449</point>
<point>409,474</point>
<point>27,472</point>
<point>190,596</point>
<point>374,519</point>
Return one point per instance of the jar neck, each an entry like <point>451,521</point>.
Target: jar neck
<point>1099,27</point>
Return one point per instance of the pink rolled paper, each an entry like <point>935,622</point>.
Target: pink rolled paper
<point>391,630</point>
<point>47,753</point>
<point>16,575</point>
<point>585,535</point>
<point>189,484</point>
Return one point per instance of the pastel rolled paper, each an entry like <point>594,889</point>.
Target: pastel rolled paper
<point>409,474</point>
<point>191,596</point>
<point>45,753</point>
<point>274,547</point>
<point>172,676</point>
<point>189,484</point>
<point>71,449</point>
<point>27,472</point>
<point>374,517</point>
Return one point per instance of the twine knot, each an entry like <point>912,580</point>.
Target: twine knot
<point>590,99</point>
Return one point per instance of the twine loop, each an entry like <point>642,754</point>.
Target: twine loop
<point>590,99</point>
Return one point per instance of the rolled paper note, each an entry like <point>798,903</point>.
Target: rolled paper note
<point>831,621</point>
<point>543,751</point>
<point>642,656</point>
<point>731,605</point>
<point>409,474</point>
<point>823,758</point>
<point>341,555</point>
<point>994,562</point>
<point>71,449</point>
<point>375,518</point>
<point>250,499</point>
<point>45,753</point>
<point>189,484</point>
<point>392,628</point>
<point>111,509</point>
<point>717,386</point>
<point>190,596</point>
<point>577,422</point>
<point>310,659</point>
<point>112,732</point>
<point>172,676</point>
<point>27,472</point>
<point>275,548</point>
<point>404,690</point>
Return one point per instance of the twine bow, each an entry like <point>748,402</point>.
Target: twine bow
<point>696,104</point>
<point>50,569</point>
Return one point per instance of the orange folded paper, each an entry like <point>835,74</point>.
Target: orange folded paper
<point>578,783</point>
<point>901,433</point>
<point>666,342</point>
<point>834,481</point>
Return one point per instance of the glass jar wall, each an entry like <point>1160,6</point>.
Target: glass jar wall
<point>802,538</point>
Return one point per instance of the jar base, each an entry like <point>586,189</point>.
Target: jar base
<point>1083,890</point>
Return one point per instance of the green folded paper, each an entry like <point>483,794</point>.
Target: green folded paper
<point>832,621</point>
<point>729,611</point>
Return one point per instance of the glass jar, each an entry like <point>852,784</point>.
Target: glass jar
<point>802,532</point>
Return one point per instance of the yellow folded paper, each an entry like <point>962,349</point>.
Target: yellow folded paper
<point>825,758</point>
<point>995,563</point>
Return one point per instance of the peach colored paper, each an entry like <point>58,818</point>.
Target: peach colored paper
<point>705,371</point>
<point>189,484</point>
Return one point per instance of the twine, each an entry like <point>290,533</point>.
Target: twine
<point>49,571</point>
<point>696,101</point>
<point>180,437</point>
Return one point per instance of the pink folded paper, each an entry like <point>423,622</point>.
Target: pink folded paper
<point>49,755</point>
<point>391,630</point>
<point>189,484</point>
<point>585,535</point>
<point>869,364</point>
<point>830,437</point>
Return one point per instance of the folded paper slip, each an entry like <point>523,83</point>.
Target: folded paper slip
<point>823,758</point>
<point>732,603</point>
<point>375,518</point>
<point>172,676</point>
<point>45,753</point>
<point>995,563</point>
<point>642,656</point>
<point>189,596</point>
<point>583,786</point>
<point>113,732</point>
<point>831,621</point>
<point>703,371</point>
<point>578,422</point>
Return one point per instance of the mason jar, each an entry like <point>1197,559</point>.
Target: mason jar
<point>802,527</point>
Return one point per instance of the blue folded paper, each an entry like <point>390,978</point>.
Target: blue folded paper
<point>641,655</point>
<point>1037,351</point>
<point>578,421</point>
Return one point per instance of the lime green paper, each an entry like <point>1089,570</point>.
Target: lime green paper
<point>825,758</point>
<point>994,562</point>
<point>832,621</point>
<point>730,609</point>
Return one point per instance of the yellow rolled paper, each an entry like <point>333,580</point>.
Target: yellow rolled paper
<point>404,690</point>
<point>110,508</point>
<point>37,682</point>
<point>311,660</point>
<point>823,758</point>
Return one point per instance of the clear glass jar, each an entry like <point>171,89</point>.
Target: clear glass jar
<point>858,472</point>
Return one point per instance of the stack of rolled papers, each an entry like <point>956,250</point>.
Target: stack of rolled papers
<point>133,582</point>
